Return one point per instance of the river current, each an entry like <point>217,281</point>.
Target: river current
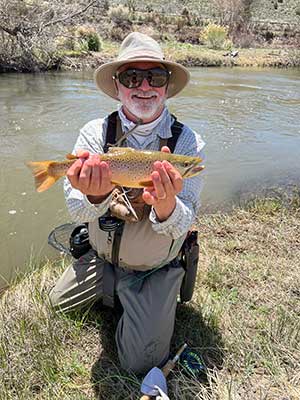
<point>248,118</point>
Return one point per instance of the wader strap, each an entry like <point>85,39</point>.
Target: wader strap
<point>176,130</point>
<point>108,285</point>
<point>111,130</point>
<point>114,132</point>
<point>109,270</point>
<point>116,245</point>
<point>162,143</point>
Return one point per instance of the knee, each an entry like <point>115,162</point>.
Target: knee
<point>55,298</point>
<point>137,366</point>
<point>139,358</point>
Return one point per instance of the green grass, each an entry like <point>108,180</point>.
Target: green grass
<point>200,56</point>
<point>244,320</point>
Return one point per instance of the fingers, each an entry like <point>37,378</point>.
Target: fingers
<point>83,153</point>
<point>91,176</point>
<point>165,149</point>
<point>74,172</point>
<point>174,176</point>
<point>161,181</point>
<point>149,197</point>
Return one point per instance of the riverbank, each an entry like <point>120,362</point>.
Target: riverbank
<point>192,56</point>
<point>244,321</point>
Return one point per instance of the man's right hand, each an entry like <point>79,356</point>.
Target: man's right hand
<point>91,176</point>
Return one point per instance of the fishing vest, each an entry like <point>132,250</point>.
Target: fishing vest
<point>135,245</point>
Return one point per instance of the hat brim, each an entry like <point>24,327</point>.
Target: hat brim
<point>179,77</point>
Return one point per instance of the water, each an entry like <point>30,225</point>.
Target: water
<point>249,119</point>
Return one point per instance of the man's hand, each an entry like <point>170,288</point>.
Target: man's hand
<point>91,176</point>
<point>167,183</point>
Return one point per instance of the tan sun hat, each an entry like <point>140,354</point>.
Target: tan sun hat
<point>139,47</point>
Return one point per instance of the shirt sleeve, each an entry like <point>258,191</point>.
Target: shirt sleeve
<point>188,200</point>
<point>91,138</point>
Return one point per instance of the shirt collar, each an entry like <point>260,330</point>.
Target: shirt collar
<point>161,128</point>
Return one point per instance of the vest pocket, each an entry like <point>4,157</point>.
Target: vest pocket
<point>141,248</point>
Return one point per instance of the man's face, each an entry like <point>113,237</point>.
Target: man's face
<point>144,102</point>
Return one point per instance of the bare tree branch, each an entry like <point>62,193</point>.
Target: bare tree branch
<point>30,30</point>
<point>76,14</point>
<point>9,31</point>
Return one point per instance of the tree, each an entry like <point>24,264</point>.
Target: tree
<point>28,29</point>
<point>232,12</point>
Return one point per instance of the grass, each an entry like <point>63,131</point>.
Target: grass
<point>200,56</point>
<point>244,320</point>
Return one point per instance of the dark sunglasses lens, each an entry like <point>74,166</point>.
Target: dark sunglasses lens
<point>158,77</point>
<point>132,78</point>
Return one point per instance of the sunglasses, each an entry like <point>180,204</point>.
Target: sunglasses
<point>133,77</point>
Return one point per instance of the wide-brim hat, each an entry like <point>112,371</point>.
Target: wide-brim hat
<point>138,47</point>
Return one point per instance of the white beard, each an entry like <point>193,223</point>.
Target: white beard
<point>143,109</point>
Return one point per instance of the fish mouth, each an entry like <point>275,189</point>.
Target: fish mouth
<point>192,171</point>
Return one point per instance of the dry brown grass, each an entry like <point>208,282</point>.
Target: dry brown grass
<point>244,320</point>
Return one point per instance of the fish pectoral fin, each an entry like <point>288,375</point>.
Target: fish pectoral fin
<point>145,183</point>
<point>70,156</point>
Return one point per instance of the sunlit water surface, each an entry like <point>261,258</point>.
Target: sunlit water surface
<point>248,118</point>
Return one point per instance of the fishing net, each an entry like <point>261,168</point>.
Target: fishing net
<point>59,238</point>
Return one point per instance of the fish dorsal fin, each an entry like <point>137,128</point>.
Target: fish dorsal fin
<point>120,149</point>
<point>70,156</point>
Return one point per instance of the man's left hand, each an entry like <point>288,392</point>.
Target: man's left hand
<point>167,183</point>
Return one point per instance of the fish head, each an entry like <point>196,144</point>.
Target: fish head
<point>188,166</point>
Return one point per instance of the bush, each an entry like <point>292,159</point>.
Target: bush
<point>117,33</point>
<point>87,39</point>
<point>215,37</point>
<point>119,14</point>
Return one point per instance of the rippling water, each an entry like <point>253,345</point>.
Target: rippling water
<point>248,118</point>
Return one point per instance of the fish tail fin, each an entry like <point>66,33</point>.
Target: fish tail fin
<point>43,180</point>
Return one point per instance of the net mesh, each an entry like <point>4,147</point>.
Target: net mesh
<point>59,238</point>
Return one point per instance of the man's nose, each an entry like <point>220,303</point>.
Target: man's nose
<point>145,85</point>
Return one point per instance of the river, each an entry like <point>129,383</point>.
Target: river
<point>248,118</point>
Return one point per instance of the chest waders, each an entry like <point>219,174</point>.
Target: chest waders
<point>189,253</point>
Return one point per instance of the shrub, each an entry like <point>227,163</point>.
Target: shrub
<point>131,4</point>
<point>117,33</point>
<point>87,39</point>
<point>215,36</point>
<point>119,14</point>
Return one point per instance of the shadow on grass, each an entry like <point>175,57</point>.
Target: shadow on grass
<point>201,335</point>
<point>111,382</point>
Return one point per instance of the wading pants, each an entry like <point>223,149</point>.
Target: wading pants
<point>145,329</point>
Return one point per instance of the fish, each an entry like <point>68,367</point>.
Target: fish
<point>130,167</point>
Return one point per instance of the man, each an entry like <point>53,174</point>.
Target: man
<point>136,261</point>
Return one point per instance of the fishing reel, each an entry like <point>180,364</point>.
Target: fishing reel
<point>109,223</point>
<point>192,363</point>
<point>79,241</point>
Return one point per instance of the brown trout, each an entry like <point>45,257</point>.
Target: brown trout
<point>130,168</point>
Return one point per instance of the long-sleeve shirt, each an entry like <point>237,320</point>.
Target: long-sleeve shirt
<point>92,138</point>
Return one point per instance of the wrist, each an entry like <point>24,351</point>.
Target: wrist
<point>97,199</point>
<point>163,213</point>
